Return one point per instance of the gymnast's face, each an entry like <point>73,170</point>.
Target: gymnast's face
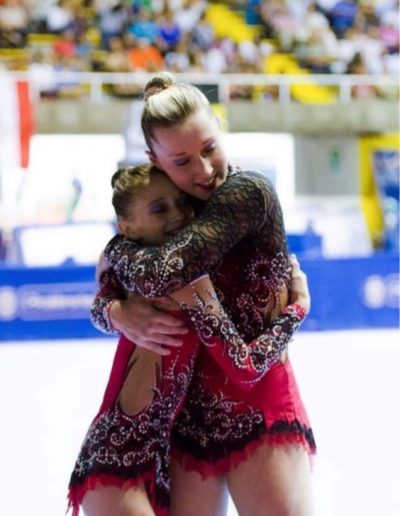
<point>191,154</point>
<point>158,211</point>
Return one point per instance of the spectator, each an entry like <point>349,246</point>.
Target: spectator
<point>178,61</point>
<point>215,60</point>
<point>196,61</point>
<point>313,19</point>
<point>203,34</point>
<point>117,60</point>
<point>14,23</point>
<point>64,45</point>
<point>391,64</point>
<point>301,28</point>
<point>42,74</point>
<point>113,19</point>
<point>142,26</point>
<point>189,14</point>
<point>361,90</point>
<point>373,49</point>
<point>60,17</point>
<point>83,47</point>
<point>342,17</point>
<point>252,53</point>
<point>241,91</point>
<point>145,56</point>
<point>280,21</point>
<point>390,32</point>
<point>39,10</point>
<point>319,51</point>
<point>368,44</point>
<point>169,31</point>
<point>389,13</point>
<point>68,84</point>
<point>367,16</point>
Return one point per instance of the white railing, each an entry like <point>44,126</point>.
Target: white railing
<point>343,83</point>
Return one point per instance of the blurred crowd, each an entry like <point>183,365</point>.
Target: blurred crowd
<point>347,36</point>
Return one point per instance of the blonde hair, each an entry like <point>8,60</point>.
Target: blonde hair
<point>168,103</point>
<point>125,182</point>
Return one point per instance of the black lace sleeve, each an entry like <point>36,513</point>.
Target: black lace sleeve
<point>246,204</point>
<point>244,363</point>
<point>109,290</point>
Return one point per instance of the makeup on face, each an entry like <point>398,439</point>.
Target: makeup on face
<point>159,210</point>
<point>192,155</point>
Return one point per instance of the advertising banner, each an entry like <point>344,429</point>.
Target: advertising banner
<point>353,293</point>
<point>46,303</point>
<point>379,188</point>
<point>54,303</point>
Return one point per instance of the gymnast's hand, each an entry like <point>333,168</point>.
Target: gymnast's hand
<point>299,291</point>
<point>147,323</point>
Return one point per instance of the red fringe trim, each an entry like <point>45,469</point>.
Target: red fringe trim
<point>224,465</point>
<point>77,492</point>
<point>204,468</point>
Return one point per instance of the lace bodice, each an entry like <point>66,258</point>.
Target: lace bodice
<point>245,205</point>
<point>244,362</point>
<point>251,281</point>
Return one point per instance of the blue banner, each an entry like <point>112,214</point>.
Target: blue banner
<point>353,293</point>
<point>54,303</point>
<point>46,303</point>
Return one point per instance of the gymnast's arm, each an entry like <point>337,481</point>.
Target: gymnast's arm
<point>146,322</point>
<point>244,364</point>
<point>245,204</point>
<point>110,290</point>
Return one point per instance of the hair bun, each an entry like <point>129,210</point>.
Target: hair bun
<point>159,82</point>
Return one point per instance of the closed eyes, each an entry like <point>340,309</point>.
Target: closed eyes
<point>157,208</point>
<point>184,161</point>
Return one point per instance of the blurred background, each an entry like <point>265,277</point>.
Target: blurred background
<point>308,93</point>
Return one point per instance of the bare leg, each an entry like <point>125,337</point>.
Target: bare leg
<point>104,501</point>
<point>192,496</point>
<point>275,481</point>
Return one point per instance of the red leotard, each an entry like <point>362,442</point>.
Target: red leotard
<point>220,423</point>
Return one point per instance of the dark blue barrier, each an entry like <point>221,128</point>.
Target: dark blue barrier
<point>53,303</point>
<point>46,303</point>
<point>353,293</point>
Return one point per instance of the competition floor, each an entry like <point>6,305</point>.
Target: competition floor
<point>350,382</point>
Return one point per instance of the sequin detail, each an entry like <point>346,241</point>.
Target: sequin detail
<point>209,419</point>
<point>245,204</point>
<point>109,290</point>
<point>244,363</point>
<point>239,239</point>
<point>128,447</point>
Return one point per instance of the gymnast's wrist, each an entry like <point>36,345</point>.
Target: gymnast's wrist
<point>301,307</point>
<point>112,311</point>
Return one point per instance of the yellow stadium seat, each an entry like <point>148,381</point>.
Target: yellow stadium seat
<point>93,36</point>
<point>13,53</point>
<point>36,39</point>
<point>229,23</point>
<point>306,92</point>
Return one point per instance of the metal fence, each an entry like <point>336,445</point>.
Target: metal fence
<point>340,85</point>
